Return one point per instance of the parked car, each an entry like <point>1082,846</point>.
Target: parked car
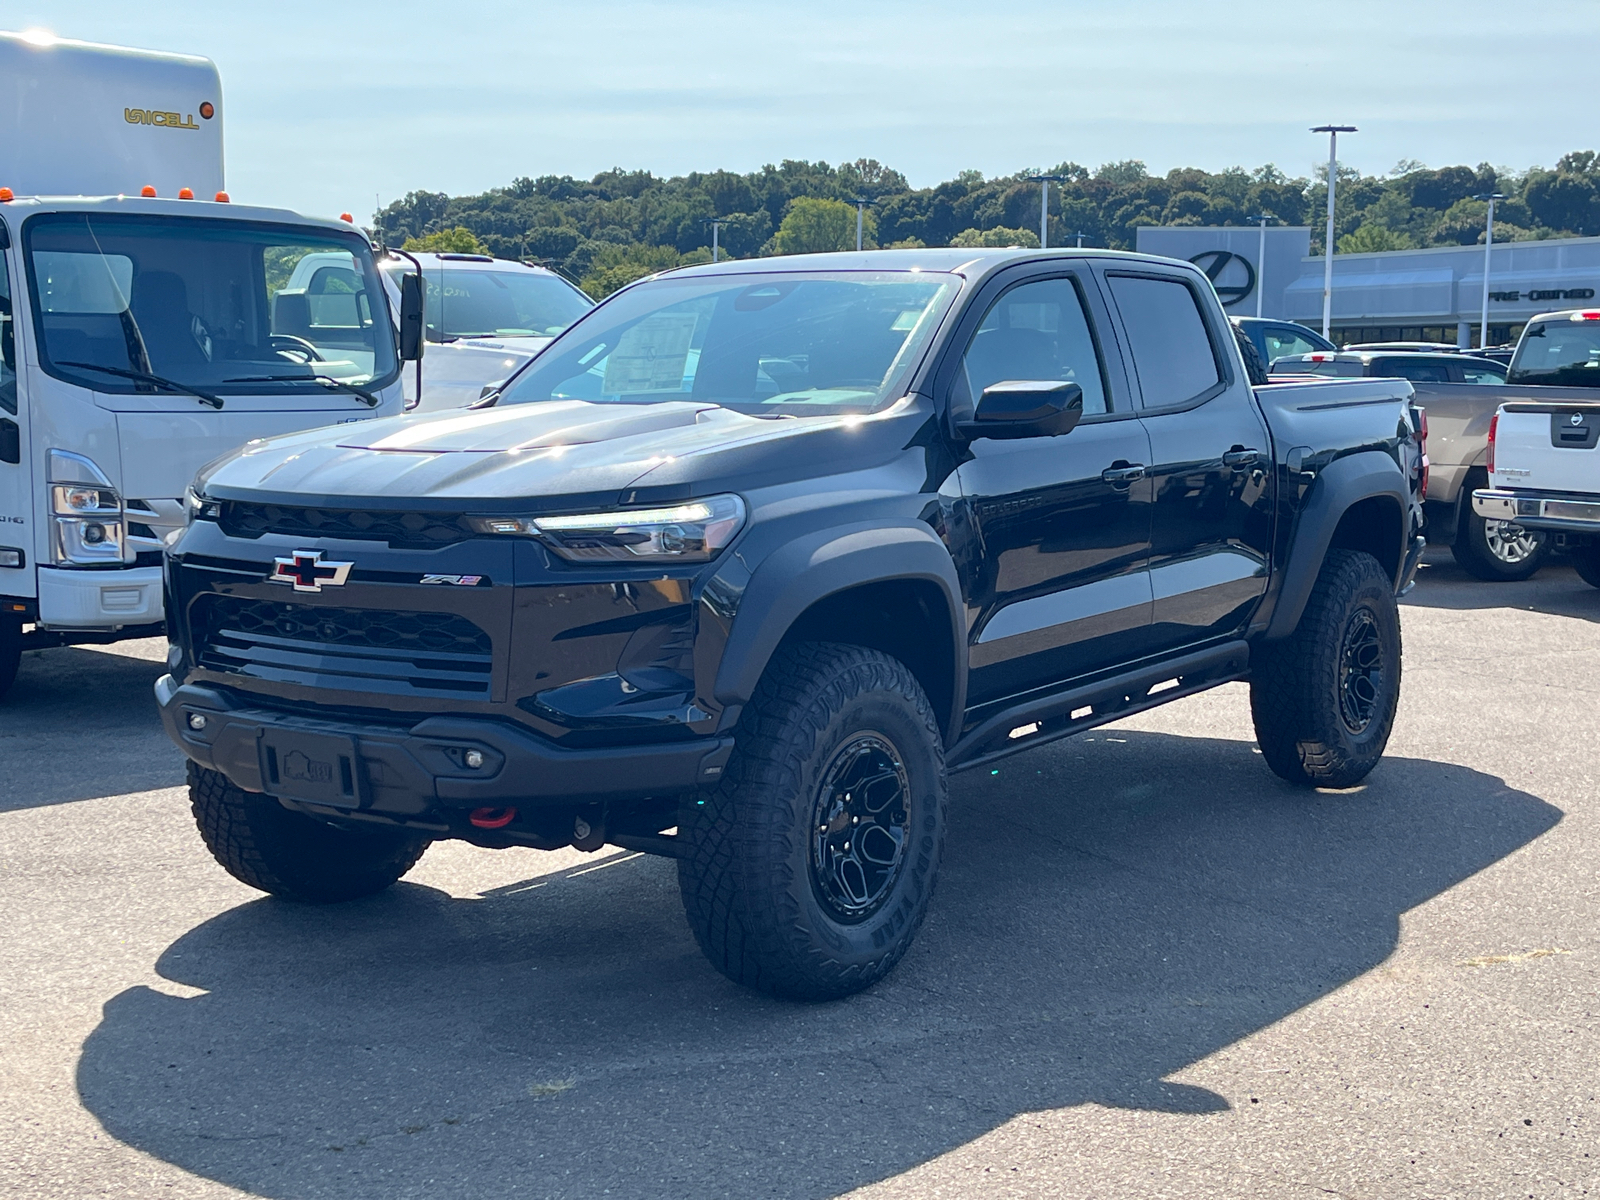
<point>753,555</point>
<point>1279,339</point>
<point>1459,394</point>
<point>1543,471</point>
<point>485,317</point>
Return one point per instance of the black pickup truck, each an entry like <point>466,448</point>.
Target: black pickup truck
<point>754,555</point>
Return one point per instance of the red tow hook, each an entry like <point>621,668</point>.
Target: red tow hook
<point>492,818</point>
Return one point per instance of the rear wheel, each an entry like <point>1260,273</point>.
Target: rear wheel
<point>1499,551</point>
<point>10,651</point>
<point>1586,561</point>
<point>808,870</point>
<point>1324,698</point>
<point>263,844</point>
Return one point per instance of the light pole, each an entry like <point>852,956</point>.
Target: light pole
<point>1333,132</point>
<point>1488,245</point>
<point>1080,239</point>
<point>1261,257</point>
<point>1044,182</point>
<point>861,203</point>
<point>716,224</point>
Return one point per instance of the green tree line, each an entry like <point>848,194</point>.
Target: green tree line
<point>620,225</point>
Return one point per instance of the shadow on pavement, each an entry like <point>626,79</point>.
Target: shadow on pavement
<point>1556,589</point>
<point>79,724</point>
<point>1111,911</point>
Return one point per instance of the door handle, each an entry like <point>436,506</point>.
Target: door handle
<point>1126,473</point>
<point>1237,458</point>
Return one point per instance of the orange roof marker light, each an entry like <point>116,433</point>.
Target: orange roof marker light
<point>7,195</point>
<point>185,193</point>
<point>222,197</point>
<point>147,190</point>
<point>347,218</point>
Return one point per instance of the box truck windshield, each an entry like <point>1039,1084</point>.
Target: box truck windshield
<point>204,304</point>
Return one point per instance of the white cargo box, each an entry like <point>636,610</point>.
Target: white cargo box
<point>78,119</point>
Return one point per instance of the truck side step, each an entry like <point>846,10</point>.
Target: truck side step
<point>1061,714</point>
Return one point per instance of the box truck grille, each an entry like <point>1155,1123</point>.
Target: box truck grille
<point>355,649</point>
<point>402,530</point>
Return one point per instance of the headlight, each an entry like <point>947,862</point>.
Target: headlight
<point>691,532</point>
<point>85,512</point>
<point>197,506</point>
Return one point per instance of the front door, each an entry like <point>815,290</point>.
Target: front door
<point>1210,460</point>
<point>1064,522</point>
<point>16,541</point>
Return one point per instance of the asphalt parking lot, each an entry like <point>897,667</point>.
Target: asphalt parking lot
<point>1151,969</point>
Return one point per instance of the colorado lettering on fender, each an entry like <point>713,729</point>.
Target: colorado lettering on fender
<point>150,116</point>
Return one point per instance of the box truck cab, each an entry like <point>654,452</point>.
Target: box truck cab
<point>144,332</point>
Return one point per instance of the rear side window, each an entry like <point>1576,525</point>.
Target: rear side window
<point>1172,352</point>
<point>1281,343</point>
<point>1417,371</point>
<point>1476,374</point>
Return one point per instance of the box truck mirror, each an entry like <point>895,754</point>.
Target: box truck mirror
<point>410,318</point>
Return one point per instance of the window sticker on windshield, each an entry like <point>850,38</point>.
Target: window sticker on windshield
<point>651,356</point>
<point>907,321</point>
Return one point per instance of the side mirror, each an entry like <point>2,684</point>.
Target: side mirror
<point>1024,408</point>
<point>411,318</point>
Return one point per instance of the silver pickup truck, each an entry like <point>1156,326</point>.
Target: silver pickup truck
<point>1543,471</point>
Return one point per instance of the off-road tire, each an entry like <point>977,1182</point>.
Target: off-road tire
<point>1298,687</point>
<point>749,886</point>
<point>1586,562</point>
<point>1475,553</point>
<point>291,855</point>
<point>10,652</point>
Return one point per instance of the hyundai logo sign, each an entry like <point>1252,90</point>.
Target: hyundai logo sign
<point>1231,274</point>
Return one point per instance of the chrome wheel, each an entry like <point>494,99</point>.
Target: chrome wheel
<point>861,824</point>
<point>1360,671</point>
<point>1511,543</point>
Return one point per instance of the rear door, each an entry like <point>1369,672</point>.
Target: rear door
<point>16,573</point>
<point>1210,458</point>
<point>1061,586</point>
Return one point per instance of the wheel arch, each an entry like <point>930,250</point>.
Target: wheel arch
<point>891,588</point>
<point>1359,502</point>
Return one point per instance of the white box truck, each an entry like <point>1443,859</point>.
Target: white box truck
<point>148,325</point>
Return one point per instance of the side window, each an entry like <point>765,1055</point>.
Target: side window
<point>1172,351</point>
<point>1416,372</point>
<point>1475,374</point>
<point>1281,343</point>
<point>8,344</point>
<point>1036,331</point>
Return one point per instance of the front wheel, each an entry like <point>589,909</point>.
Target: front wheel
<point>808,870</point>
<point>1324,699</point>
<point>1586,561</point>
<point>10,651</point>
<point>270,848</point>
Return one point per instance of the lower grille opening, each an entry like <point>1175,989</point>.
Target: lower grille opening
<point>365,650</point>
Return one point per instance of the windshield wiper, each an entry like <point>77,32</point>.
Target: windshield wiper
<point>326,380</point>
<point>146,377</point>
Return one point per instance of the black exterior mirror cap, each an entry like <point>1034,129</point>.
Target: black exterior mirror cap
<point>410,317</point>
<point>1021,408</point>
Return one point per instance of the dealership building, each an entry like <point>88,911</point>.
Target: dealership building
<point>1398,295</point>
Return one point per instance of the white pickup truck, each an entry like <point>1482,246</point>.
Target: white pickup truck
<point>1543,462</point>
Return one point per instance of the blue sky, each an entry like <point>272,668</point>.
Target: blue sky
<point>331,105</point>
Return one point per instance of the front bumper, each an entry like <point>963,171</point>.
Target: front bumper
<point>99,599</point>
<point>1535,511</point>
<point>410,770</point>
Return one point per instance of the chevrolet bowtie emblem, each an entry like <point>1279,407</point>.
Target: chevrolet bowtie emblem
<point>307,572</point>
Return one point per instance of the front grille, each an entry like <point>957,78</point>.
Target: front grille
<point>356,649</point>
<point>402,530</point>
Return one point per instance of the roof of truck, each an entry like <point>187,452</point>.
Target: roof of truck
<point>961,260</point>
<point>156,206</point>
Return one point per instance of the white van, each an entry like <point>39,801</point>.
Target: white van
<point>143,334</point>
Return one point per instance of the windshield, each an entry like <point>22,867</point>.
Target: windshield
<point>1558,353</point>
<point>207,303</point>
<point>770,345</point>
<point>510,303</point>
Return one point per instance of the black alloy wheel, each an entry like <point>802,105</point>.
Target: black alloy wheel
<point>1360,671</point>
<point>861,828</point>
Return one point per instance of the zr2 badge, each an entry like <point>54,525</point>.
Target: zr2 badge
<point>457,580</point>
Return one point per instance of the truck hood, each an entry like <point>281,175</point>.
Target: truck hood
<point>563,449</point>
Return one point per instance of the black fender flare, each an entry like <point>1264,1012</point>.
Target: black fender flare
<point>817,565</point>
<point>1340,485</point>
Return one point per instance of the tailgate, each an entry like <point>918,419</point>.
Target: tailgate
<point>1547,447</point>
